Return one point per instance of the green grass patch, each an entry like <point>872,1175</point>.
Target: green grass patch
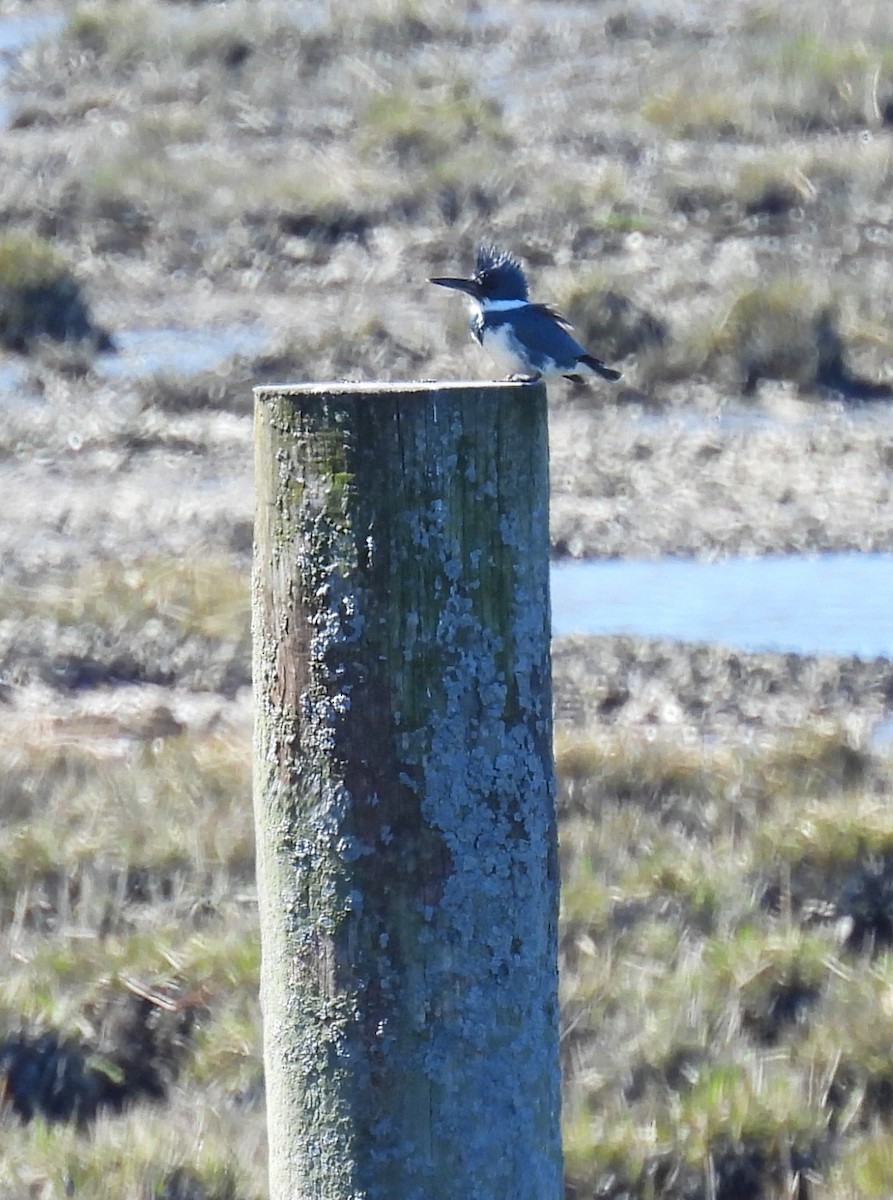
<point>27,262</point>
<point>687,110</point>
<point>784,330</point>
<point>830,835</point>
<point>865,1169</point>
<point>208,598</point>
<point>707,1036</point>
<point>40,298</point>
<point>424,125</point>
<point>116,33</point>
<point>826,82</point>
<point>154,620</point>
<point>703,1028</point>
<point>773,187</point>
<point>136,1156</point>
<point>83,842</point>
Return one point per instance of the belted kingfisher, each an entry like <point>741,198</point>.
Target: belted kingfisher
<point>528,340</point>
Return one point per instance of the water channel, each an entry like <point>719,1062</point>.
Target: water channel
<point>823,604</point>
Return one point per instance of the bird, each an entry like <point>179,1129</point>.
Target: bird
<point>530,341</point>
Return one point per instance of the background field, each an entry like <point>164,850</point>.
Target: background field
<point>705,189</point>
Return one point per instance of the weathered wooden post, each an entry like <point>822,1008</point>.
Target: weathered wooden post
<point>404,792</point>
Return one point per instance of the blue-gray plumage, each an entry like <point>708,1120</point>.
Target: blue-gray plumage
<point>527,340</point>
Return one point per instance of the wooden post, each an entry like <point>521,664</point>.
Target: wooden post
<point>404,792</point>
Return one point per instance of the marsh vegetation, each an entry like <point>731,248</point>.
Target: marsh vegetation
<point>705,189</point>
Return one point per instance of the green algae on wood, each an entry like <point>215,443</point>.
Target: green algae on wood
<point>404,791</point>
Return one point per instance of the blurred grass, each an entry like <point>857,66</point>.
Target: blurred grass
<point>698,1008</point>
<point>208,598</point>
<point>40,298</point>
<point>423,125</point>
<point>156,619</point>
<point>137,1157</point>
<point>136,871</point>
<point>706,1031</point>
<point>380,134</point>
<point>67,818</point>
<point>727,909</point>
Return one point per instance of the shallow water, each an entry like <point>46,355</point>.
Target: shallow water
<point>144,351</point>
<point>17,32</point>
<point>20,30</point>
<point>827,604</point>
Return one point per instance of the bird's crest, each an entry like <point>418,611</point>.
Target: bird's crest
<point>497,270</point>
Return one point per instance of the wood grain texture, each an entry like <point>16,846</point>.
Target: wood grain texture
<point>404,792</point>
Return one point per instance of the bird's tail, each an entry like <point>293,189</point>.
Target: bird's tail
<point>596,364</point>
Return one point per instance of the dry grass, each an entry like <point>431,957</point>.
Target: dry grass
<point>715,1025</point>
<point>154,620</point>
<point>700,195</point>
<point>139,1156</point>
<point>700,1001</point>
<point>140,117</point>
<point>124,874</point>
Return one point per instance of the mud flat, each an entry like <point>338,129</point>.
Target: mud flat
<point>632,483</point>
<point>705,691</point>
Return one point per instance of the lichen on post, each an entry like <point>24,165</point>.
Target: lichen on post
<point>404,792</point>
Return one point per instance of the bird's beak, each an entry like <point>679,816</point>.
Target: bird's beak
<point>460,285</point>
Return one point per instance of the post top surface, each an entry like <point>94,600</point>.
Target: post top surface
<point>370,388</point>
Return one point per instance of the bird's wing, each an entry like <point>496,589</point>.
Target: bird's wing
<point>554,314</point>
